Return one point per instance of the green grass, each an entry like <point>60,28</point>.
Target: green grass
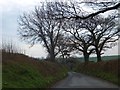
<point>0,75</point>
<point>31,73</point>
<point>17,75</point>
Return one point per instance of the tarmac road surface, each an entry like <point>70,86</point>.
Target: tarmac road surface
<point>78,80</point>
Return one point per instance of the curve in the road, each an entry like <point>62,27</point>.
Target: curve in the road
<point>78,80</point>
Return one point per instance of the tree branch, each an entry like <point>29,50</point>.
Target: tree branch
<point>92,14</point>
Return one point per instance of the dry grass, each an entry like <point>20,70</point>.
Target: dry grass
<point>45,67</point>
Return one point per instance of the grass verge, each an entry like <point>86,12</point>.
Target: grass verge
<point>105,70</point>
<point>20,71</point>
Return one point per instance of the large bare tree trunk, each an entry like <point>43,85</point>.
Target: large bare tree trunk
<point>86,57</point>
<point>98,55</point>
<point>52,55</point>
<point>52,58</point>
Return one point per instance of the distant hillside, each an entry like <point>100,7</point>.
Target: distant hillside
<point>20,71</point>
<point>104,58</point>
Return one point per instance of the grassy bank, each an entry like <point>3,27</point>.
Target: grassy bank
<point>0,75</point>
<point>20,71</point>
<point>105,70</point>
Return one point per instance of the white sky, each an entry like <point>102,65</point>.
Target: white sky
<point>10,10</point>
<point>9,14</point>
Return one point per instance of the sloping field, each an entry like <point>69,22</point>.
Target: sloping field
<point>20,71</point>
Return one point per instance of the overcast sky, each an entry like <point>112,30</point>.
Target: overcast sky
<point>10,10</point>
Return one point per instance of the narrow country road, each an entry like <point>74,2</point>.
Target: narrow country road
<point>77,80</point>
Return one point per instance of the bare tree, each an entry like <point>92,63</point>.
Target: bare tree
<point>104,32</point>
<point>94,34</point>
<point>65,46</point>
<point>79,37</point>
<point>39,27</point>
